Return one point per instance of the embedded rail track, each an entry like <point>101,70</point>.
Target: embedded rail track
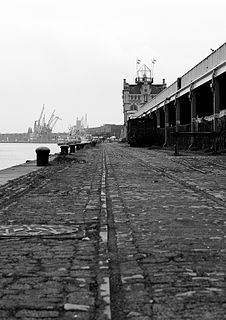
<point>209,168</point>
<point>124,236</point>
<point>152,245</point>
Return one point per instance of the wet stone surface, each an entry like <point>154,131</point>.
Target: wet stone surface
<point>39,230</point>
<point>49,248</point>
<point>113,232</point>
<point>170,228</point>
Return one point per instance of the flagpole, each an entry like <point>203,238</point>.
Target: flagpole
<point>136,67</point>
<point>153,63</point>
<point>137,62</point>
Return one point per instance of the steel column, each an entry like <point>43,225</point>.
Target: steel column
<point>192,97</point>
<point>216,99</point>
<point>166,110</point>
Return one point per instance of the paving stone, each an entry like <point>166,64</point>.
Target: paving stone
<point>36,314</point>
<point>164,246</point>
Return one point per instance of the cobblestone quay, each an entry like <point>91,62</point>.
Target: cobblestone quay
<point>113,232</point>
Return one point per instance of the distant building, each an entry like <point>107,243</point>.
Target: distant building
<point>27,137</point>
<point>134,96</point>
<point>107,130</point>
<point>14,137</point>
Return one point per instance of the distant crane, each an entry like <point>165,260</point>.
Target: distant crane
<point>43,128</point>
<point>51,119</point>
<point>54,122</point>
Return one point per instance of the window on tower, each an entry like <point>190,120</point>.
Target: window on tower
<point>133,108</point>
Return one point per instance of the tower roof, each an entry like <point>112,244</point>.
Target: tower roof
<point>144,72</point>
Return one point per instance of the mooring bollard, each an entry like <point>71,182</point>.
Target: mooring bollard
<point>93,143</point>
<point>72,148</point>
<point>42,156</point>
<point>64,149</point>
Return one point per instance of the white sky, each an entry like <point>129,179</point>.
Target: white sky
<point>72,55</point>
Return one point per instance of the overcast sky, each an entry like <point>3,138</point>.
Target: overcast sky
<point>72,55</point>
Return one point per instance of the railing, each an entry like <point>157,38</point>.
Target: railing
<point>204,66</point>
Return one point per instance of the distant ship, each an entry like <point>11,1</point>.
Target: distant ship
<point>77,134</point>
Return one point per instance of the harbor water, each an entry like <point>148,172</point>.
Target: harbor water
<point>12,154</point>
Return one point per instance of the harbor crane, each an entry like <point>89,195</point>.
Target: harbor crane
<point>41,127</point>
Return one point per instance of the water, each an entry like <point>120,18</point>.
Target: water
<point>12,154</point>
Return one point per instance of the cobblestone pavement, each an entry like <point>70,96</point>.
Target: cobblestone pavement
<point>118,233</point>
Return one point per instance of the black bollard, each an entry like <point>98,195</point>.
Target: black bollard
<point>72,148</point>
<point>42,156</point>
<point>64,149</point>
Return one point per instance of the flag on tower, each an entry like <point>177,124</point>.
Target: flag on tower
<point>138,61</point>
